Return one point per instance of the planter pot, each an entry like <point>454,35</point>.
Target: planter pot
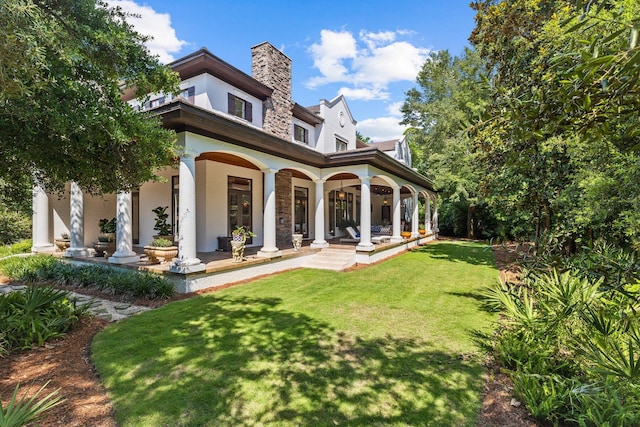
<point>104,249</point>
<point>237,251</point>
<point>405,234</point>
<point>62,244</point>
<point>422,232</point>
<point>296,239</point>
<point>156,252</point>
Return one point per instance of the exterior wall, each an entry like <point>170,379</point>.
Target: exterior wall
<point>273,68</point>
<point>152,195</point>
<point>312,133</point>
<point>212,202</point>
<point>95,208</point>
<point>331,128</point>
<point>284,207</point>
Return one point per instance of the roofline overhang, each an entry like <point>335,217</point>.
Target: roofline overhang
<point>184,117</point>
<point>306,115</point>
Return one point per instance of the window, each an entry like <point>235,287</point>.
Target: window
<point>175,201</point>
<point>189,94</point>
<point>240,108</point>
<point>341,145</point>
<point>239,196</point>
<point>301,134</point>
<point>155,102</point>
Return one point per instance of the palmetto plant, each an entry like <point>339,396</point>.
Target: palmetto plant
<point>19,412</point>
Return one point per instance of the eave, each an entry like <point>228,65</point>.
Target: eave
<point>184,117</point>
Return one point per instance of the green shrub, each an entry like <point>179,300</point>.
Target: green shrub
<point>23,411</point>
<point>36,315</point>
<point>14,226</point>
<point>563,333</point>
<point>44,268</point>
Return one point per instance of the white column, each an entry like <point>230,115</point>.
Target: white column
<point>415,216</point>
<point>396,216</point>
<point>319,242</point>
<point>76,223</point>
<point>435,216</point>
<point>365,215</point>
<point>124,241</point>
<point>187,262</point>
<point>427,214</point>
<point>269,248</point>
<point>40,230</point>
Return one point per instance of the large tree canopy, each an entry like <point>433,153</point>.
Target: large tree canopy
<point>62,64</point>
<point>451,95</point>
<point>562,117</point>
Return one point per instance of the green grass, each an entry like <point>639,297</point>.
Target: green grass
<point>386,345</point>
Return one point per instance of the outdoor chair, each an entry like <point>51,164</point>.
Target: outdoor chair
<point>353,236</point>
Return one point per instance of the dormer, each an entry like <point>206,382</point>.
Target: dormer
<point>337,132</point>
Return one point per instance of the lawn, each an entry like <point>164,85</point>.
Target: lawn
<point>385,345</point>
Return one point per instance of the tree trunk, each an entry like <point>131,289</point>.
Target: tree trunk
<point>470,228</point>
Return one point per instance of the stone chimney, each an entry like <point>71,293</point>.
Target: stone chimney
<point>273,68</point>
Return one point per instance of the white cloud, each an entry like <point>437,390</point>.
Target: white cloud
<point>381,128</point>
<point>329,56</point>
<point>364,93</point>
<point>366,65</point>
<point>164,41</point>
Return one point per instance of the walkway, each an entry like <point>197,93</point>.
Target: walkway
<point>103,309</point>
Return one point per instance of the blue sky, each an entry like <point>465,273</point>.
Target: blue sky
<point>369,51</point>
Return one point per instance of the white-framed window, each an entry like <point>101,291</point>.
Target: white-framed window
<point>341,145</point>
<point>301,134</point>
<point>240,108</point>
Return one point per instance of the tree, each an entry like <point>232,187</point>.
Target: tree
<point>451,95</point>
<point>545,146</point>
<point>62,68</point>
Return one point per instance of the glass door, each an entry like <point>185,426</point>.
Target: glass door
<point>239,192</point>
<point>301,212</point>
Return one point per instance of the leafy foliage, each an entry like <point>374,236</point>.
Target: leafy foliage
<point>19,412</point>
<point>37,315</point>
<point>571,340</point>
<point>43,268</point>
<point>450,97</point>
<point>78,53</point>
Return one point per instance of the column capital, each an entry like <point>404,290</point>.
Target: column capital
<point>365,178</point>
<point>269,170</point>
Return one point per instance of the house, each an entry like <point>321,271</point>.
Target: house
<point>252,157</point>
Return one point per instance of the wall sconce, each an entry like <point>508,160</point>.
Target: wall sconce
<point>384,201</point>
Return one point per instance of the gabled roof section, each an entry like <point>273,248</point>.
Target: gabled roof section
<point>389,145</point>
<point>306,115</point>
<point>336,100</point>
<point>203,61</point>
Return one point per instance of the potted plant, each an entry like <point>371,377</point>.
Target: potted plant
<point>421,229</point>
<point>160,248</point>
<point>239,238</point>
<point>63,241</point>
<point>164,229</point>
<point>106,244</point>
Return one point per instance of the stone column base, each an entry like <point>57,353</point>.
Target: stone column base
<point>366,248</point>
<point>43,249</point>
<point>319,244</point>
<point>187,266</point>
<point>269,253</point>
<point>125,258</point>
<point>78,252</point>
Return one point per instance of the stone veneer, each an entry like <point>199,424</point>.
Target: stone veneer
<point>284,208</point>
<point>273,68</point>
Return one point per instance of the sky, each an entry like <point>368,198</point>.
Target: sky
<point>369,51</point>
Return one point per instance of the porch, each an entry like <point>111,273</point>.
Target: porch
<point>220,270</point>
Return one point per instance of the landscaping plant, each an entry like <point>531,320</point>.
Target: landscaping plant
<point>19,412</point>
<point>571,339</point>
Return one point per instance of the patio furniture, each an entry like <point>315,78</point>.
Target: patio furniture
<point>353,236</point>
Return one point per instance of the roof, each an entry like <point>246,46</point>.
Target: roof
<point>185,117</point>
<point>385,145</point>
